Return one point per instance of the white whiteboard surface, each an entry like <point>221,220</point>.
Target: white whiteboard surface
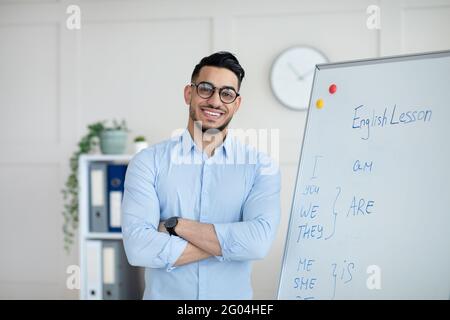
<point>370,217</point>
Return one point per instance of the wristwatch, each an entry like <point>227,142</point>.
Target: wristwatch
<point>170,225</point>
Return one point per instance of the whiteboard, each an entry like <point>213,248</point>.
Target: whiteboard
<point>370,217</point>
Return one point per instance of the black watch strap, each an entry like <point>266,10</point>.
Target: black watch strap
<point>170,225</point>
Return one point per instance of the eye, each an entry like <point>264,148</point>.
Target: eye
<point>227,93</point>
<point>205,88</point>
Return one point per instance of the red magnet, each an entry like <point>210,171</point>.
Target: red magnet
<point>332,88</point>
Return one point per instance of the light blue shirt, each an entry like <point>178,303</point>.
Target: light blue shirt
<point>237,190</point>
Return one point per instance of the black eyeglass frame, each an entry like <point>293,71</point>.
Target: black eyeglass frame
<point>214,91</point>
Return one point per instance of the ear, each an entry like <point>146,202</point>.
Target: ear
<point>188,94</point>
<point>237,104</point>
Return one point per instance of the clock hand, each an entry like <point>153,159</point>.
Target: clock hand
<point>302,77</point>
<point>294,70</point>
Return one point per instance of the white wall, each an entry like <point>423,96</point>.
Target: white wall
<point>131,60</point>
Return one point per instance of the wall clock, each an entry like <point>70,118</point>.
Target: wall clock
<point>292,75</point>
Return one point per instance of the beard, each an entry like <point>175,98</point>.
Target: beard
<point>202,126</point>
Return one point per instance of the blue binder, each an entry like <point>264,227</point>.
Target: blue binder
<point>116,179</point>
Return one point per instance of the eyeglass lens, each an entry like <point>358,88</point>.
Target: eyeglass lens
<point>206,90</point>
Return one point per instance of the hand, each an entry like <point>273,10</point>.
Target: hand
<point>302,77</point>
<point>294,71</point>
<point>299,76</point>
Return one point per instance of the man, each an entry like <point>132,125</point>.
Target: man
<point>197,209</point>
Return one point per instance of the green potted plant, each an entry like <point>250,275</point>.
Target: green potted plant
<point>113,140</point>
<point>70,191</point>
<point>140,143</point>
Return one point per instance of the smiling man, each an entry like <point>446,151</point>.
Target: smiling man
<point>196,225</point>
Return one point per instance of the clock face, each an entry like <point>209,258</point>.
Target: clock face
<point>292,76</point>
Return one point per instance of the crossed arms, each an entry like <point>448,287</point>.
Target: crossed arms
<point>148,245</point>
<point>201,237</point>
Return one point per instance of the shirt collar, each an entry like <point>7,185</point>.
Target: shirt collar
<point>188,144</point>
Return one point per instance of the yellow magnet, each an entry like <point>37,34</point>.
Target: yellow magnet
<point>319,103</point>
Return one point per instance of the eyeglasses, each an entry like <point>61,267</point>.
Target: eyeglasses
<point>206,90</point>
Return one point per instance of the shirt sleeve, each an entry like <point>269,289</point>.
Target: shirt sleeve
<point>251,238</point>
<point>144,245</point>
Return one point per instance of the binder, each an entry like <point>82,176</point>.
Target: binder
<point>116,179</point>
<point>98,204</point>
<point>110,270</point>
<point>119,278</point>
<point>94,270</point>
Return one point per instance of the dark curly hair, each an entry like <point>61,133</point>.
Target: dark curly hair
<point>222,59</point>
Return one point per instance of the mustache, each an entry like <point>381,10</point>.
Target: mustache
<point>192,115</point>
<point>213,107</point>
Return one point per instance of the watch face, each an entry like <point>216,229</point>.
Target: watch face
<point>171,222</point>
<point>292,76</point>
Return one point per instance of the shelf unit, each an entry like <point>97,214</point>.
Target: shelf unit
<point>83,212</point>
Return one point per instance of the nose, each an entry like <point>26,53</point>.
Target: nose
<point>214,100</point>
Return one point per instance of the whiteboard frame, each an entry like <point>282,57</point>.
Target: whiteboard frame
<point>349,63</point>
<point>387,59</point>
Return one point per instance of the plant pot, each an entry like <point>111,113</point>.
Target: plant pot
<point>113,141</point>
<point>138,146</point>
